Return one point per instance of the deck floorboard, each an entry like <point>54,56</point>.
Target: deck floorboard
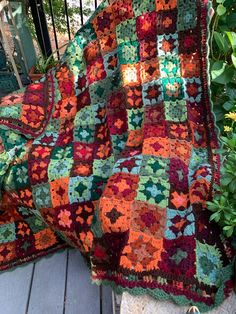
<point>48,287</point>
<point>82,296</point>
<point>59,284</point>
<point>106,300</point>
<point>14,289</point>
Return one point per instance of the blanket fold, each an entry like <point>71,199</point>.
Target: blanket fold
<point>114,152</point>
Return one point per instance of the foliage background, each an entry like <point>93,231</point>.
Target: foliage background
<point>60,15</point>
<point>223,88</point>
<point>223,58</point>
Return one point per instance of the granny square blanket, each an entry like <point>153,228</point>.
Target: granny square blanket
<point>114,152</point>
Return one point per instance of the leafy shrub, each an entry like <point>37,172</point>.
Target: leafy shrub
<point>43,64</point>
<point>223,58</point>
<point>224,203</point>
<point>223,88</point>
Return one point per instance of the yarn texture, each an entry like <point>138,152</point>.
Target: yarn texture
<point>114,152</point>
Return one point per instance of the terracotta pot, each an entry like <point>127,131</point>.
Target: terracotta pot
<point>34,76</point>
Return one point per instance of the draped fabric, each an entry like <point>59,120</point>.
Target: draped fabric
<point>114,152</point>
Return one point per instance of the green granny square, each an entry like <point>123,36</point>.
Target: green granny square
<point>176,111</point>
<point>84,117</point>
<point>169,66</point>
<point>126,31</point>
<point>59,168</point>
<point>155,166</point>
<point>62,152</point>
<point>153,190</point>
<point>103,167</point>
<point>144,6</point>
<point>11,111</point>
<point>7,233</point>
<point>80,189</point>
<point>10,138</point>
<point>172,88</point>
<point>119,142</point>
<point>187,15</point>
<point>99,91</point>
<point>18,177</point>
<point>84,134</point>
<point>128,53</point>
<point>41,195</point>
<point>35,224</point>
<point>209,264</point>
<point>83,38</point>
<point>135,118</point>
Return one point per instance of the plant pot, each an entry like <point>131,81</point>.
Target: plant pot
<point>34,76</point>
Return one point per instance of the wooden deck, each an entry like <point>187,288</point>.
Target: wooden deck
<point>58,284</point>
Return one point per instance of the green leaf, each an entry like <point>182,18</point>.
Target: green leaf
<point>220,1</point>
<point>224,77</point>
<point>229,232</point>
<point>231,91</point>
<point>221,10</point>
<point>226,180</point>
<point>224,139</point>
<point>232,186</point>
<point>220,151</point>
<point>217,69</point>
<point>219,113</point>
<point>221,42</point>
<point>213,206</point>
<point>232,39</point>
<point>229,3</point>
<point>224,28</point>
<point>230,19</point>
<point>233,57</point>
<point>227,228</point>
<point>215,216</point>
<point>228,105</point>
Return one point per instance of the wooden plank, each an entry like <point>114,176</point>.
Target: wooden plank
<point>14,289</point>
<point>48,287</point>
<point>106,300</point>
<point>81,295</point>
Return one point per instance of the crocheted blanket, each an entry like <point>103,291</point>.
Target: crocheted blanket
<point>114,152</point>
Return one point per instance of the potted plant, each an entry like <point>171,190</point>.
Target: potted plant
<point>43,64</point>
<point>41,67</point>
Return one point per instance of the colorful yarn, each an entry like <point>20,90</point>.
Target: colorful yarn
<point>115,153</point>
